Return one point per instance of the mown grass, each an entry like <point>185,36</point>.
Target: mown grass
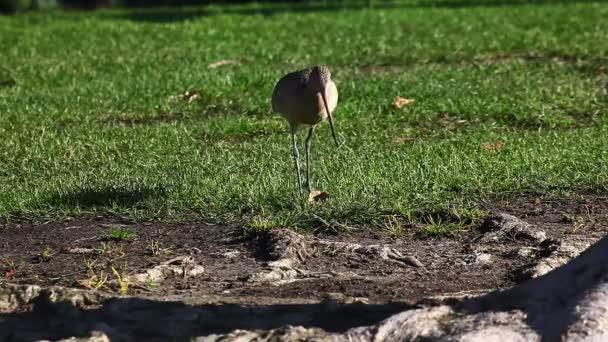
<point>89,122</point>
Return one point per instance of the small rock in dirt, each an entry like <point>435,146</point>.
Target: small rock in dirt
<point>522,252</point>
<point>500,226</point>
<point>340,298</point>
<point>231,254</point>
<point>80,250</point>
<point>195,250</point>
<point>484,258</point>
<point>282,263</point>
<point>182,266</point>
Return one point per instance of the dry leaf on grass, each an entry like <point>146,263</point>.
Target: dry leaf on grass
<point>403,140</point>
<point>494,146</point>
<point>189,96</point>
<point>399,101</point>
<point>538,201</point>
<point>317,196</point>
<point>222,63</point>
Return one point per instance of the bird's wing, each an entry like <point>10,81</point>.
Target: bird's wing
<point>284,90</point>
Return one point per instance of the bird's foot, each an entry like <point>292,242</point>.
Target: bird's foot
<point>308,187</point>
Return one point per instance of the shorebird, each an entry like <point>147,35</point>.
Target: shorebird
<point>306,98</point>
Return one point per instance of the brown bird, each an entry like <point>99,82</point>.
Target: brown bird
<point>305,98</point>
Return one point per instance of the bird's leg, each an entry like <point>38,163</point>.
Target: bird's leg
<point>308,160</point>
<point>296,157</point>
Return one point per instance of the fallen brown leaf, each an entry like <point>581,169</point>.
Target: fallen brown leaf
<point>399,101</point>
<point>317,196</point>
<point>403,140</point>
<point>493,146</point>
<point>537,201</point>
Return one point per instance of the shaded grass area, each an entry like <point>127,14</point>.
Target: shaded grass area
<point>91,119</point>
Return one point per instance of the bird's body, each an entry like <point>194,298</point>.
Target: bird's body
<point>305,98</point>
<point>301,105</point>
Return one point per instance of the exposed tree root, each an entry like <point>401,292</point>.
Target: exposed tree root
<point>553,253</point>
<point>286,249</point>
<point>569,303</point>
<point>385,253</point>
<point>281,244</point>
<point>501,226</point>
<point>286,275</point>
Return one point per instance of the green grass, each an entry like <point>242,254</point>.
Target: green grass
<point>88,123</point>
<point>119,233</point>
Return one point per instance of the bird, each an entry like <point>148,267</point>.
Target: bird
<point>306,98</point>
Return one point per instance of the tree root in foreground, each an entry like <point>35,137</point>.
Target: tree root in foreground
<point>569,303</point>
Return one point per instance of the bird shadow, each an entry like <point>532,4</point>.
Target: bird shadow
<point>135,317</point>
<point>167,14</point>
<point>108,196</point>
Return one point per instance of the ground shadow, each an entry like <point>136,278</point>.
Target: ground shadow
<point>550,307</point>
<point>6,80</point>
<point>137,318</point>
<point>173,14</point>
<point>7,83</point>
<point>90,198</point>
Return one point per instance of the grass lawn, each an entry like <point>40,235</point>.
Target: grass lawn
<point>89,120</point>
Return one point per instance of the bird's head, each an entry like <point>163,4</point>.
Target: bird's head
<point>319,78</point>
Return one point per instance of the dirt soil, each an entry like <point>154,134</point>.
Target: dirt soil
<point>74,253</point>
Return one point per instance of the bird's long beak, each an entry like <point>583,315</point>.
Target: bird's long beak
<point>331,121</point>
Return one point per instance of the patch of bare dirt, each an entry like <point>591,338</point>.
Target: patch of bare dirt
<point>379,267</point>
<point>333,282</point>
